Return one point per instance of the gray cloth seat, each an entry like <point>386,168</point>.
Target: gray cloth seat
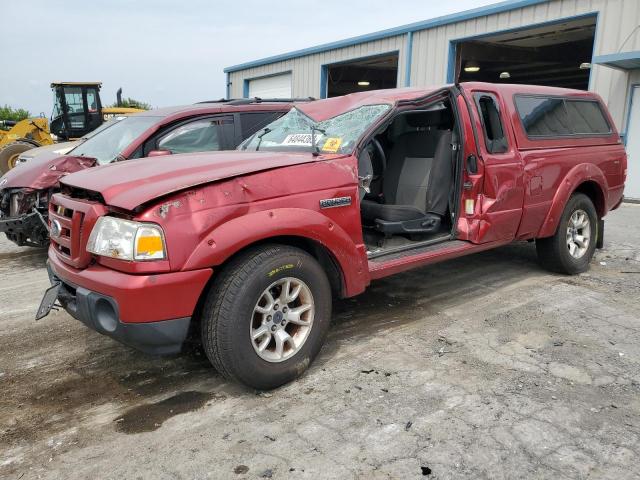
<point>416,185</point>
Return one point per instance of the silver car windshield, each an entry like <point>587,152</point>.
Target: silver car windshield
<point>106,145</point>
<point>295,131</point>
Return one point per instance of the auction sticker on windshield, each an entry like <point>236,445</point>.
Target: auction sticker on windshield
<point>303,139</point>
<point>332,145</point>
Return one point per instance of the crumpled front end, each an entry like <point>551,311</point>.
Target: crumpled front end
<point>23,213</point>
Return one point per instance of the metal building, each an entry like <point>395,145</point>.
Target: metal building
<point>584,44</point>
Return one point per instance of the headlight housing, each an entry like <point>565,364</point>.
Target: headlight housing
<point>127,240</point>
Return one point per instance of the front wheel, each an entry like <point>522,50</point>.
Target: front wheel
<point>267,315</point>
<point>571,248</point>
<point>9,155</point>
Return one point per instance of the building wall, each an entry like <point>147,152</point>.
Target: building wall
<point>305,71</point>
<point>617,20</point>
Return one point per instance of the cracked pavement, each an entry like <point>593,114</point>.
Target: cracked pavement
<point>481,367</point>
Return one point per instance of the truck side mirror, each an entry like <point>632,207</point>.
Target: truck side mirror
<point>472,164</point>
<point>159,153</point>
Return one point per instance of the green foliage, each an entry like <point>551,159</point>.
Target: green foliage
<point>132,103</point>
<point>17,114</point>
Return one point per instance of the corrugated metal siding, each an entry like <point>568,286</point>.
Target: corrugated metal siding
<point>616,22</point>
<point>306,70</point>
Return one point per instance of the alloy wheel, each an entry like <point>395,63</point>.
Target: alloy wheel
<point>282,319</point>
<point>578,233</point>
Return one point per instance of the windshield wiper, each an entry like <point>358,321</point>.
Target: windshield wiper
<point>315,149</point>
<point>264,132</point>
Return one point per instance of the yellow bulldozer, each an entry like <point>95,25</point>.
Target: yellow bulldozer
<point>77,110</point>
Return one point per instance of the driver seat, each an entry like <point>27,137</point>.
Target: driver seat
<point>416,188</point>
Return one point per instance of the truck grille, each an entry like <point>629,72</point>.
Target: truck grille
<point>70,224</point>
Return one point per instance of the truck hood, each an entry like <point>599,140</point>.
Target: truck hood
<point>132,183</point>
<point>45,172</point>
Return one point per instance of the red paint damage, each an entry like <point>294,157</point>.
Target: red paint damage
<point>130,184</point>
<point>43,174</point>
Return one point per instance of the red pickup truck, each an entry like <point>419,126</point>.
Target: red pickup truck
<point>247,248</point>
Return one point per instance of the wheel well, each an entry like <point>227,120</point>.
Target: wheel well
<point>318,251</point>
<point>315,249</point>
<point>594,192</point>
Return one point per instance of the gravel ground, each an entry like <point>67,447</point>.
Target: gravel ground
<point>482,367</point>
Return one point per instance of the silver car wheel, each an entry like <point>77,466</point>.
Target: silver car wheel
<point>282,319</point>
<point>578,234</point>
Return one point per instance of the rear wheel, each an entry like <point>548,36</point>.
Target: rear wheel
<point>9,155</point>
<point>571,248</point>
<point>266,316</point>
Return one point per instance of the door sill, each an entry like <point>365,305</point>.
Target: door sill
<point>417,246</point>
<point>393,263</point>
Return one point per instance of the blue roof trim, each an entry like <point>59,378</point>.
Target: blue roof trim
<point>501,7</point>
<point>623,61</point>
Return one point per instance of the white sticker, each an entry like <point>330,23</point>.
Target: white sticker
<point>303,139</point>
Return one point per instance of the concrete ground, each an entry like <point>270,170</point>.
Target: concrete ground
<point>482,367</point>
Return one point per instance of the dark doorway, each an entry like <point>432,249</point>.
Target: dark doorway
<point>557,55</point>
<point>371,73</point>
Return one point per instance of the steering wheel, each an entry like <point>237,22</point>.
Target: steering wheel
<point>380,151</point>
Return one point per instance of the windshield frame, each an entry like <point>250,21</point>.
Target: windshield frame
<point>315,130</point>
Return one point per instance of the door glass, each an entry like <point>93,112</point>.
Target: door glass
<point>252,122</point>
<point>75,107</point>
<point>199,136</point>
<point>491,124</point>
<point>92,102</point>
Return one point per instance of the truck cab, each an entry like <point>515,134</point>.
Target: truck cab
<point>246,249</point>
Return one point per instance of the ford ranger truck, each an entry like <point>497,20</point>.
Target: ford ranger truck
<point>247,248</point>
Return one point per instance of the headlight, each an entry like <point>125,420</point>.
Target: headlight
<point>127,240</point>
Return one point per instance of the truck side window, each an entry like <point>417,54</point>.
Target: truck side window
<point>494,137</point>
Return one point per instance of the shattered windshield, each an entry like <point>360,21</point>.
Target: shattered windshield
<point>107,144</point>
<point>295,131</point>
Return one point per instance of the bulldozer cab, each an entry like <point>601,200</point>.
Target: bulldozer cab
<point>77,109</point>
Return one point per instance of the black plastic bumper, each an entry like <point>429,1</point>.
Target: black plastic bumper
<point>100,313</point>
<point>20,224</point>
<point>28,229</point>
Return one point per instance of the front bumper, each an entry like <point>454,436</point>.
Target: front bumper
<point>151,313</point>
<point>30,228</point>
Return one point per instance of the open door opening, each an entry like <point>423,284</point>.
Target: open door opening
<point>556,55</point>
<point>408,175</point>
<point>371,73</point>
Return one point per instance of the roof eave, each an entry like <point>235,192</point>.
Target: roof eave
<point>493,9</point>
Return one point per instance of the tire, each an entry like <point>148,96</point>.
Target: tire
<point>237,307</point>
<point>556,253</point>
<point>9,154</point>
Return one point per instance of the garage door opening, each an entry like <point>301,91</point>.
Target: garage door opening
<point>273,86</point>
<point>557,55</point>
<point>363,74</point>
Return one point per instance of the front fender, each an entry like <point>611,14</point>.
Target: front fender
<point>236,234</point>
<point>579,174</point>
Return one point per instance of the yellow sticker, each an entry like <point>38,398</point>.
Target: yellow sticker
<point>332,145</point>
<point>280,269</point>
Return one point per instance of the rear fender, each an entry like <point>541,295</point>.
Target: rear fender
<point>577,175</point>
<point>229,238</point>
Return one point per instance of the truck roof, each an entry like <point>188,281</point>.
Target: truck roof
<point>216,107</point>
<point>330,107</point>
